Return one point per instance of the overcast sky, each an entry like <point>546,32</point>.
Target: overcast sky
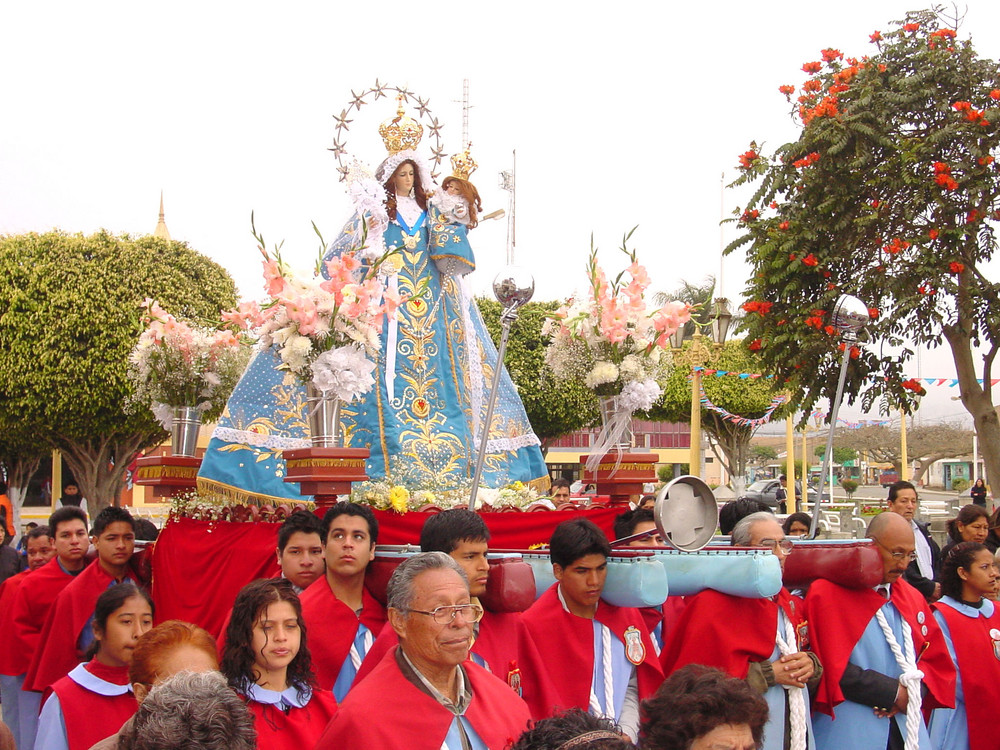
<point>621,114</point>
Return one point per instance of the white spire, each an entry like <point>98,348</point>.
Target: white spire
<point>161,230</point>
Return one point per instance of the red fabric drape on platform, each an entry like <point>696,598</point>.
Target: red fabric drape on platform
<point>200,566</point>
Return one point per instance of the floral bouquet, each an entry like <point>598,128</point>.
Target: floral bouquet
<point>326,331</point>
<point>615,342</point>
<point>407,491</point>
<point>176,363</point>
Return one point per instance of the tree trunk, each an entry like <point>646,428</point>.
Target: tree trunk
<point>19,474</point>
<point>99,467</point>
<point>977,398</point>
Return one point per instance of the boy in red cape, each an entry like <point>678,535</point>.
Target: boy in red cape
<point>30,608</point>
<point>40,549</point>
<point>583,639</point>
<point>442,699</point>
<point>499,636</point>
<point>747,639</point>
<point>67,633</point>
<point>341,616</point>
<point>872,689</point>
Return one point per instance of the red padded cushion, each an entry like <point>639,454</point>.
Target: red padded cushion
<point>856,565</point>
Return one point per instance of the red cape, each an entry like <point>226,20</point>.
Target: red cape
<point>724,631</point>
<point>498,716</point>
<point>70,612</point>
<point>501,640</point>
<point>91,717</point>
<point>668,615</point>
<point>32,601</point>
<point>7,591</point>
<point>979,666</point>
<point>565,644</point>
<point>837,619</point>
<point>298,729</point>
<point>331,626</point>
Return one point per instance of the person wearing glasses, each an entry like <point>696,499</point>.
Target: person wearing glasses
<point>425,693</point>
<point>757,640</point>
<point>885,658</point>
<point>598,657</point>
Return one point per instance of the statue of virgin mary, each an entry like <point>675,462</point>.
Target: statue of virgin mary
<point>423,419</point>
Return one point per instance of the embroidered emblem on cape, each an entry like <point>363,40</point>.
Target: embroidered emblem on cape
<point>995,635</point>
<point>802,633</point>
<point>634,648</point>
<point>514,677</point>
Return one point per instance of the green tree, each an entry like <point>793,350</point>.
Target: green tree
<point>841,454</point>
<point>741,396</point>
<point>890,194</point>
<point>762,454</point>
<point>69,316</point>
<point>554,408</point>
<point>926,444</point>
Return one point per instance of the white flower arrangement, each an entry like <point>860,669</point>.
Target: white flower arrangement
<point>325,331</point>
<point>176,363</point>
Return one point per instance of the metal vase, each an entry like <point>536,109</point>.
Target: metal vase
<point>184,431</point>
<point>324,418</point>
<point>610,407</point>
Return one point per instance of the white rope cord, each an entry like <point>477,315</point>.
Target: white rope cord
<point>797,701</point>
<point>910,679</point>
<point>608,711</point>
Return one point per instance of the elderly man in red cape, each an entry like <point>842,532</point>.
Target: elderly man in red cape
<point>341,616</point>
<point>498,637</point>
<point>67,633</point>
<point>596,656</point>
<point>30,608</point>
<point>444,700</point>
<point>884,656</point>
<point>757,640</point>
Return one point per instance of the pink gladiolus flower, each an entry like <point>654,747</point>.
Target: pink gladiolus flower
<point>639,276</point>
<point>614,321</point>
<point>391,300</point>
<point>274,282</point>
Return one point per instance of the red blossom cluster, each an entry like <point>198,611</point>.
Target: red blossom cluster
<point>984,160</point>
<point>971,114</point>
<point>873,313</point>
<point>973,216</point>
<point>995,94</point>
<point>783,226</point>
<point>810,260</point>
<point>756,345</point>
<point>812,67</point>
<point>807,160</point>
<point>830,330</point>
<point>911,27</point>
<point>812,85</point>
<point>830,55</point>
<point>787,90</point>
<point>942,176</point>
<point>792,256</point>
<point>896,245</point>
<point>855,351</point>
<point>749,215</point>
<point>772,204</point>
<point>933,234</point>
<point>875,37</point>
<point>747,158</point>
<point>923,289</point>
<point>758,306</point>
<point>816,319</point>
<point>826,108</point>
<point>956,267</point>
<point>913,385</point>
<point>942,34</point>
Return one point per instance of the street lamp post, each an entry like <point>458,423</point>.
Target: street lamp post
<point>699,354</point>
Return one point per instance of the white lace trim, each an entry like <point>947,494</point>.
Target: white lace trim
<point>509,445</point>
<point>257,440</point>
<point>475,364</point>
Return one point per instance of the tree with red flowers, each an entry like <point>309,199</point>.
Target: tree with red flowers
<point>890,193</point>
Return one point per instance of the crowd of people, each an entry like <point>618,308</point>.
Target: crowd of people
<point>313,659</point>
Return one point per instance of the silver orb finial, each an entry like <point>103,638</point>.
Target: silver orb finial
<point>850,315</point>
<point>513,287</point>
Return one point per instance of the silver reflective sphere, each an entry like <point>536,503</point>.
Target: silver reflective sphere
<point>850,314</point>
<point>513,286</point>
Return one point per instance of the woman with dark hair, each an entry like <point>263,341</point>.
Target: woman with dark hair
<point>701,708</point>
<point>972,524</point>
<point>978,493</point>
<point>971,626</point>
<point>95,698</point>
<point>267,662</point>
<point>797,524</point>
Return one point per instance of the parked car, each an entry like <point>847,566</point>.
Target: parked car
<point>887,478</point>
<point>766,491</point>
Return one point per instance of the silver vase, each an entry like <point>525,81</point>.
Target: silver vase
<point>611,407</point>
<point>184,431</point>
<point>324,418</point>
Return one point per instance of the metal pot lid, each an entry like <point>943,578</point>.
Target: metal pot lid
<point>686,513</point>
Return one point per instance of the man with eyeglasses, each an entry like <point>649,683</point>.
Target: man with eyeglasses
<point>598,657</point>
<point>884,655</point>
<point>441,700</point>
<point>757,640</point>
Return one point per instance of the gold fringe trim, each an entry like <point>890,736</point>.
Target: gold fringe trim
<point>210,486</point>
